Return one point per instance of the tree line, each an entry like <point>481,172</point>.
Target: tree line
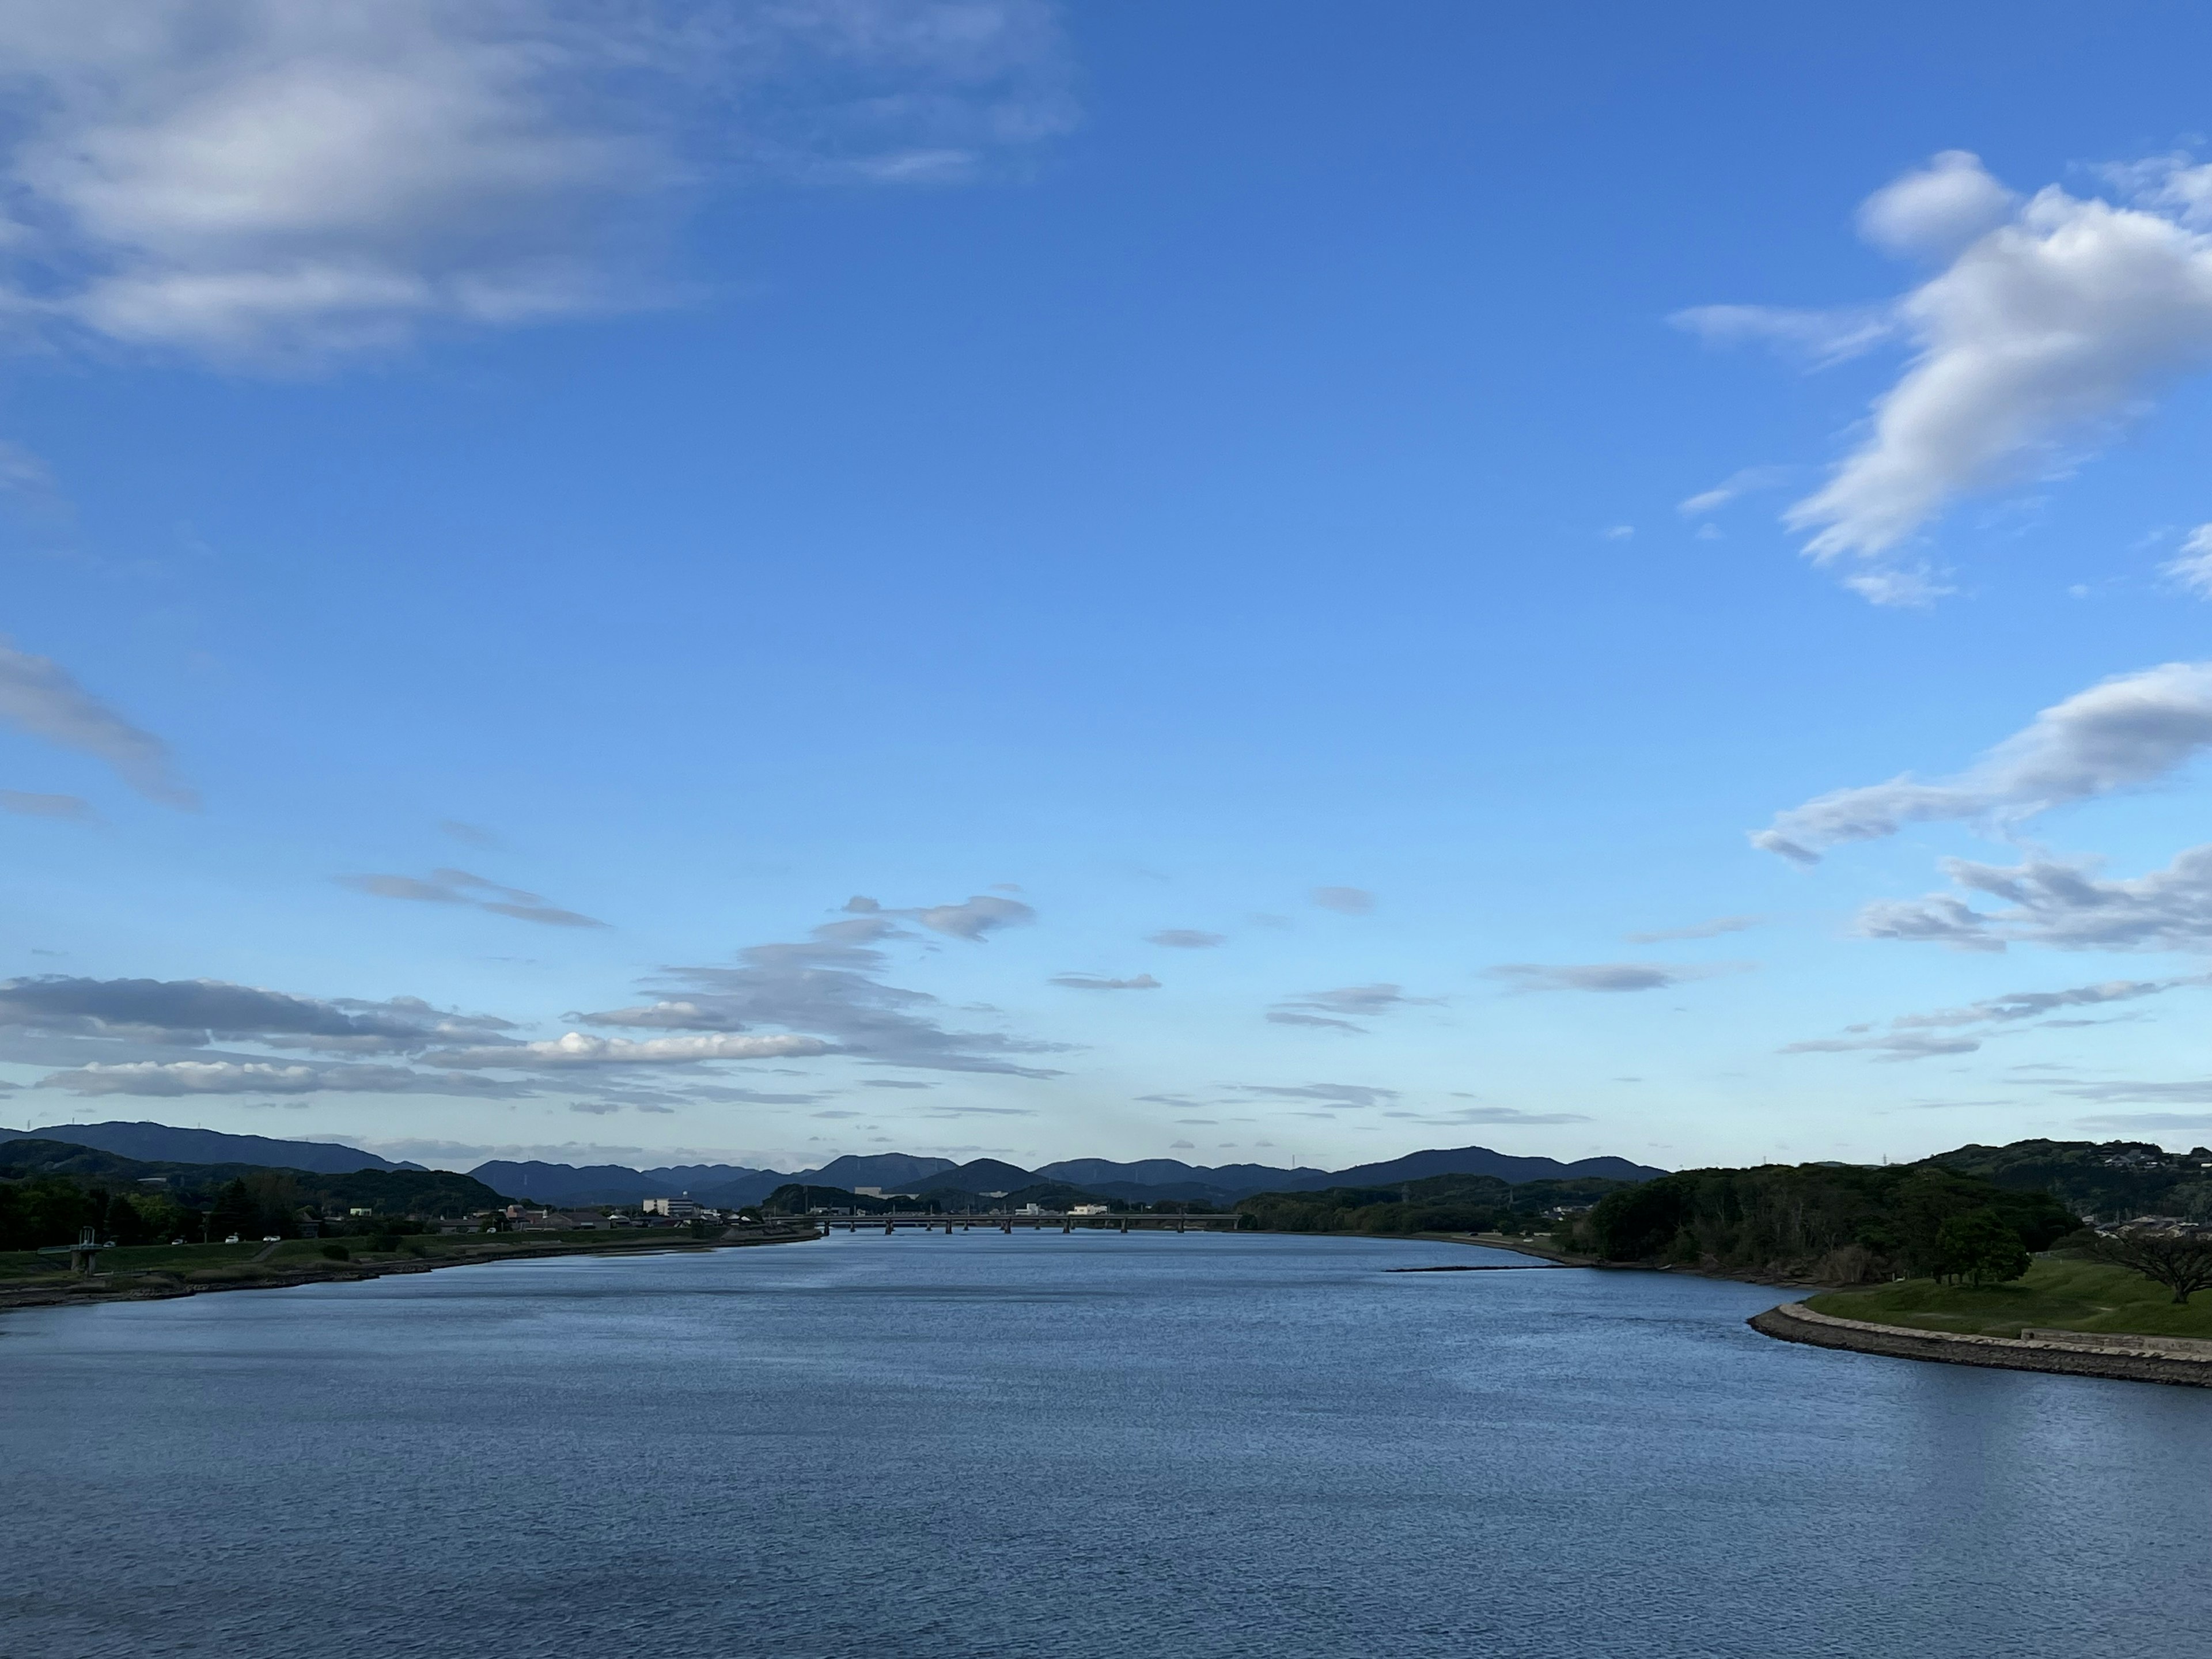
<point>1834,1224</point>
<point>1437,1203</point>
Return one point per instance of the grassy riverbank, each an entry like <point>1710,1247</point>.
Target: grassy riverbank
<point>2057,1294</point>
<point>28,1278</point>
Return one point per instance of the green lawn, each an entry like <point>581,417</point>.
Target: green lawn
<point>231,1262</point>
<point>2063,1295</point>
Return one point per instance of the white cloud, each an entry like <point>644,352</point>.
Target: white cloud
<point>2125,731</point>
<point>2064,906</point>
<point>256,178</point>
<point>1938,209</point>
<point>2054,317</point>
<point>578,1049</point>
<point>2192,568</point>
<point>38,696</point>
<point>2047,325</point>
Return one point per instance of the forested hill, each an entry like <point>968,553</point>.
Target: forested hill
<point>164,1143</point>
<point>1835,1224</point>
<point>389,1192</point>
<point>2109,1180</point>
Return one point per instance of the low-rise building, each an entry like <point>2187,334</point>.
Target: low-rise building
<point>682,1207</point>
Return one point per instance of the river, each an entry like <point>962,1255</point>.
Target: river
<point>1193,1445</point>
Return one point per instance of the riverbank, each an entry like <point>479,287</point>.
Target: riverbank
<point>157,1274</point>
<point>2152,1359</point>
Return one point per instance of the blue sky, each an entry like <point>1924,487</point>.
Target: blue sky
<point>977,577</point>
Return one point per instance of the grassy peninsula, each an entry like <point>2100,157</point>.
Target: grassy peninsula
<point>2057,1292</point>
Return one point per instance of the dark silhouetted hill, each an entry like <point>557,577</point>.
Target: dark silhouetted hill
<point>160,1143</point>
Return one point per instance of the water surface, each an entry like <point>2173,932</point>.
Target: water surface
<point>1239,1444</point>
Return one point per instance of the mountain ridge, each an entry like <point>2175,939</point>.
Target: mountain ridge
<point>163,1143</point>
<point>729,1185</point>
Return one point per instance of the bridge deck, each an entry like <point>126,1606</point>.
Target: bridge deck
<point>1005,1221</point>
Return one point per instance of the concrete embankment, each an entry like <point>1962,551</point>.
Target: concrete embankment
<point>2071,1353</point>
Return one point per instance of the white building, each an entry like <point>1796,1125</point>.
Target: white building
<point>680,1208</point>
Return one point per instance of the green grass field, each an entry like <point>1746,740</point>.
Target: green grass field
<point>2062,1295</point>
<point>210,1262</point>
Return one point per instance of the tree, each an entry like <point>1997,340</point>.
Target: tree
<point>122,1223</point>
<point>2182,1265</point>
<point>1980,1248</point>
<point>234,1211</point>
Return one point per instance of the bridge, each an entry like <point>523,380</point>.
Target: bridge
<point>1006,1221</point>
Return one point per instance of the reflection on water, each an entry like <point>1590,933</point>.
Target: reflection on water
<point>983,1444</point>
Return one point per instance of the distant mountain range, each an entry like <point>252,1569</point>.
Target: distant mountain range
<point>158,1143</point>
<point>728,1184</point>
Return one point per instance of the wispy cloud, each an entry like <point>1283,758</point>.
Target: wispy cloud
<point>71,807</point>
<point>255,182</point>
<point>1186,939</point>
<point>2066,906</point>
<point>460,887</point>
<point>1345,901</point>
<point>1815,338</point>
<point>827,987</point>
<point>1097,983</point>
<point>1460,1116</point>
<point>2124,732</point>
<point>1611,976</point>
<point>1357,1096</point>
<point>1337,1010</point>
<point>1948,1032</point>
<point>39,697</point>
<point>1732,487</point>
<point>1713,929</point>
<point>973,919</point>
<point>193,1012</point>
<point>171,1078</point>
